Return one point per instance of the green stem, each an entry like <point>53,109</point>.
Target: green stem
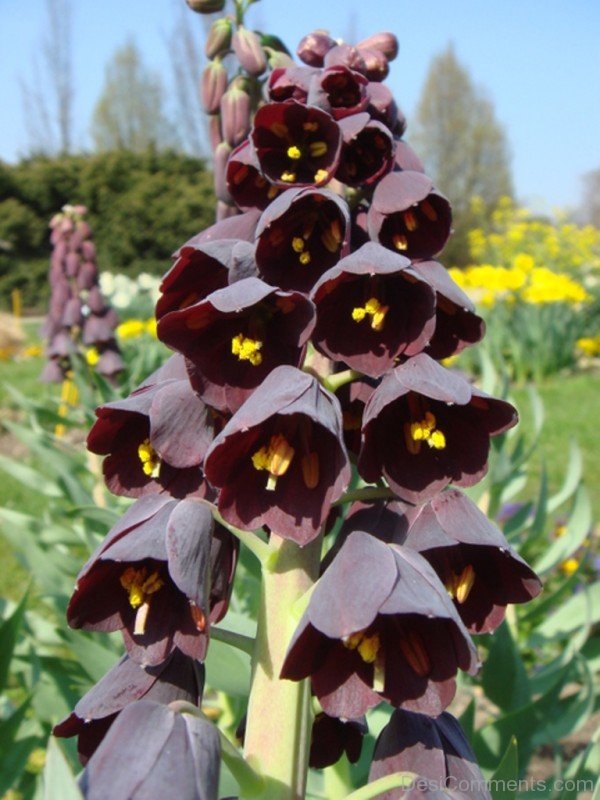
<point>396,781</point>
<point>367,493</point>
<point>279,720</point>
<point>256,546</point>
<point>333,382</point>
<point>249,782</point>
<point>238,640</point>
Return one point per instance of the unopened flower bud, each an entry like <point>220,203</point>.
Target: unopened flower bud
<point>218,40</point>
<point>235,115</point>
<point>278,60</point>
<point>247,47</point>
<point>214,131</point>
<point>213,86</point>
<point>377,67</point>
<point>221,156</point>
<point>384,42</point>
<point>314,47</point>
<point>206,6</point>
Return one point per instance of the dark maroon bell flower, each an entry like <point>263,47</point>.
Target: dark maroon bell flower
<point>245,182</point>
<point>353,399</point>
<point>154,440</point>
<point>367,150</point>
<point>457,325</point>
<point>379,625</point>
<point>425,427</point>
<point>296,145</point>
<point>152,752</point>
<point>299,236</point>
<point>237,336</point>
<point>384,42</point>
<point>372,307</point>
<point>332,737</point>
<point>480,570</point>
<point>377,67</point>
<point>196,273</point>
<point>150,579</point>
<point>409,216</point>
<point>241,227</point>
<point>382,106</point>
<point>291,83</point>
<point>178,678</point>
<point>436,750</point>
<point>345,55</point>
<point>280,461</point>
<point>340,91</point>
<point>314,46</point>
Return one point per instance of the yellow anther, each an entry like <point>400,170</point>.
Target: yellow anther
<point>400,242</point>
<point>279,129</point>
<point>294,152</point>
<point>424,431</point>
<point>276,459</point>
<point>310,470</point>
<point>317,149</point>
<point>247,349</point>
<point>332,237</point>
<point>298,244</point>
<point>149,459</point>
<point>410,221</point>
<point>459,585</point>
<point>305,257</point>
<point>415,653</point>
<point>429,211</point>
<point>288,177</point>
<point>373,309</point>
<point>321,175</point>
<point>366,646</point>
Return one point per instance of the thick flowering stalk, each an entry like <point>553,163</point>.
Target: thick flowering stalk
<point>308,324</point>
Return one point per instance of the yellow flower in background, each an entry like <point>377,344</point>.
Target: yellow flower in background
<point>545,286</point>
<point>33,351</point>
<point>589,346</point>
<point>92,356</point>
<point>569,566</point>
<point>151,327</point>
<point>131,328</point>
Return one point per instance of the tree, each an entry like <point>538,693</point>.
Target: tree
<point>462,144</point>
<point>590,207</point>
<point>130,113</point>
<point>48,99</point>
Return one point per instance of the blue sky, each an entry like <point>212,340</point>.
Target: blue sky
<point>539,61</point>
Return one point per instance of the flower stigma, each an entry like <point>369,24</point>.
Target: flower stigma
<point>149,458</point>
<point>459,585</point>
<point>247,349</point>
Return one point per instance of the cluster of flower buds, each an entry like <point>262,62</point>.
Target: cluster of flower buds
<point>308,331</point>
<point>78,315</point>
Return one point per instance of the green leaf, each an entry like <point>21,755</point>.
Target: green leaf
<point>9,634</point>
<point>58,780</point>
<point>506,774</point>
<point>29,477</point>
<point>581,609</point>
<point>227,669</point>
<point>504,677</point>
<point>13,753</point>
<point>95,657</point>
<point>578,527</point>
<point>467,719</point>
<point>572,478</point>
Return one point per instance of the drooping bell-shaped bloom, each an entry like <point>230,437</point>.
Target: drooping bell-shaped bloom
<point>482,573</point>
<point>332,737</point>
<point>296,145</point>
<point>426,426</point>
<point>246,184</point>
<point>280,461</point>
<point>301,234</point>
<point>340,91</point>
<point>372,307</point>
<point>178,756</point>
<point>154,440</point>
<point>436,750</point>
<point>367,151</point>
<point>177,678</point>
<point>457,325</point>
<point>150,579</point>
<point>379,625</point>
<point>237,336</point>
<point>409,216</point>
<point>291,83</point>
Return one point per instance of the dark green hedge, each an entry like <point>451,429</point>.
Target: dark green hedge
<point>141,208</point>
